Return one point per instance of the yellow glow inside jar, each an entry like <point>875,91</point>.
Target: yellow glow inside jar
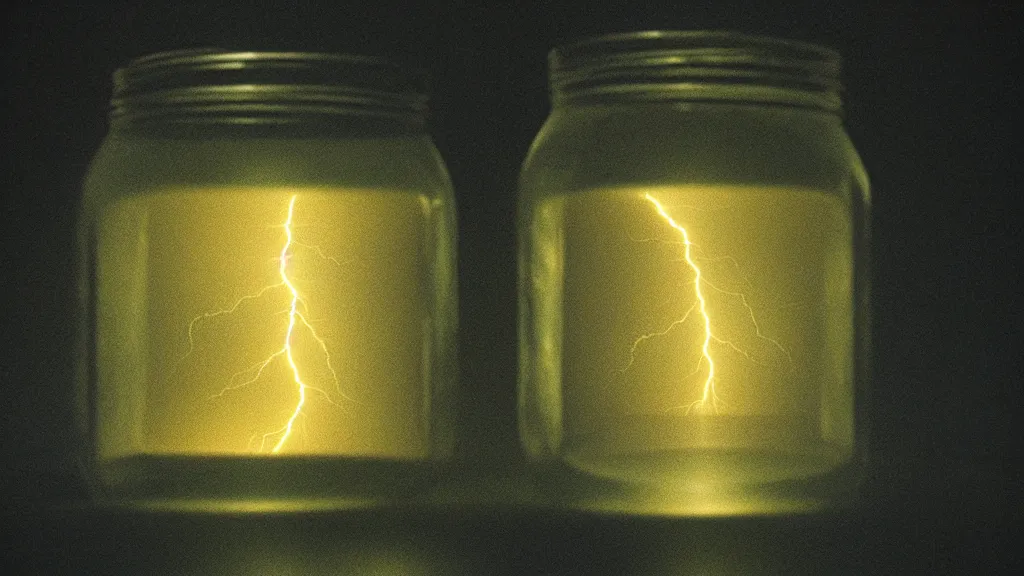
<point>705,336</point>
<point>263,322</point>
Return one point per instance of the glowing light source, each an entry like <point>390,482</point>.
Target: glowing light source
<point>229,312</point>
<point>295,318</point>
<point>709,400</point>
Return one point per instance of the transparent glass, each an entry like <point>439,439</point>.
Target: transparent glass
<point>269,311</point>
<point>693,302</point>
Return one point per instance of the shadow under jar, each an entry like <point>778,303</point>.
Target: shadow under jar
<point>267,253</point>
<point>693,225</point>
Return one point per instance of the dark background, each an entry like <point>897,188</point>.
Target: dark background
<point>931,94</point>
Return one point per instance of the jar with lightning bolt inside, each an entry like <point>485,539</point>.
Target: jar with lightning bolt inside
<point>693,279</point>
<point>267,271</point>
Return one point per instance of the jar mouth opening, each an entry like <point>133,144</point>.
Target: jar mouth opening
<point>210,83</point>
<point>697,66</point>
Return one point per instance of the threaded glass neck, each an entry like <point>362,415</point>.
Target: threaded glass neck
<point>713,66</point>
<point>217,86</point>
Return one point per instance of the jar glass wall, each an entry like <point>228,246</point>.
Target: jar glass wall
<point>268,270</point>
<point>693,278</point>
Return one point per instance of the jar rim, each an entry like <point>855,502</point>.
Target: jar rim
<point>711,65</point>
<point>670,40</point>
<point>183,83</point>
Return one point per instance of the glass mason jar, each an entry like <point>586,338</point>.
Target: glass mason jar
<point>693,259</point>
<point>267,252</point>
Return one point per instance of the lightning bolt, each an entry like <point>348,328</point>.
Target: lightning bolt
<point>708,401</point>
<point>296,319</point>
<point>293,314</point>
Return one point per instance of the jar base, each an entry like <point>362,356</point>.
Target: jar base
<point>277,484</point>
<point>705,482</point>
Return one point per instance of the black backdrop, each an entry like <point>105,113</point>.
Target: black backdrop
<point>931,100</point>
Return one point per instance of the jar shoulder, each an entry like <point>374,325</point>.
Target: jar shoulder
<point>134,163</point>
<point>673,143</point>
